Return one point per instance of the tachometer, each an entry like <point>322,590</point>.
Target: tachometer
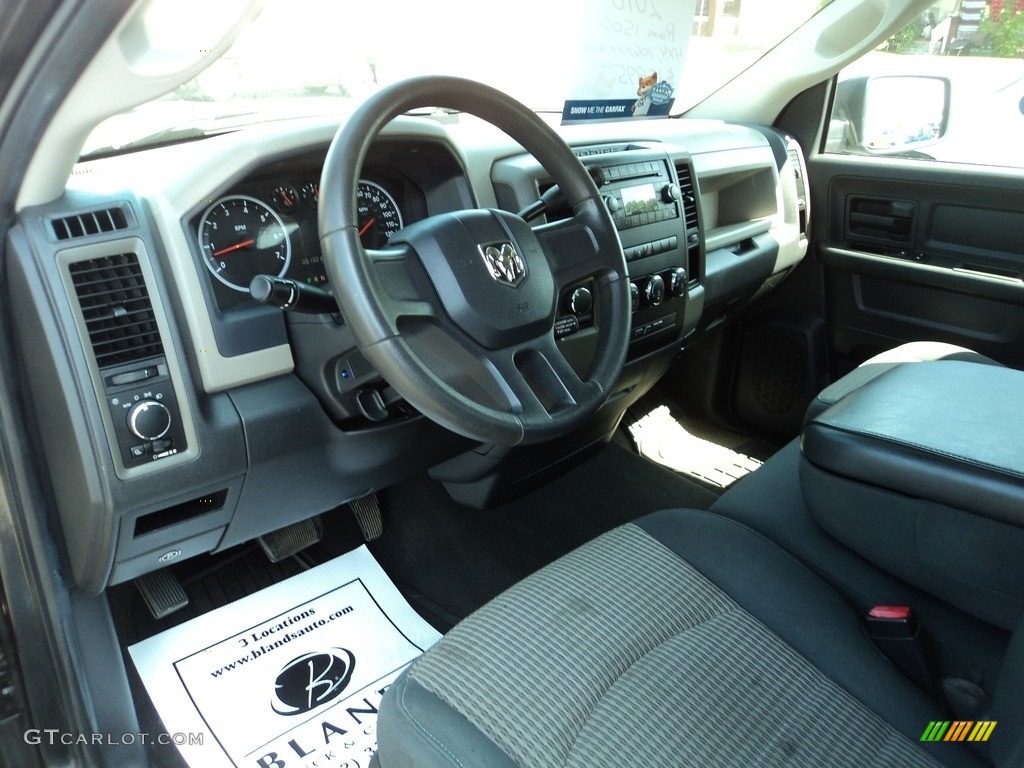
<point>241,237</point>
<point>379,216</point>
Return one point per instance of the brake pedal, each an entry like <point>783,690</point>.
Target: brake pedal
<point>161,592</point>
<point>292,539</point>
<point>367,511</point>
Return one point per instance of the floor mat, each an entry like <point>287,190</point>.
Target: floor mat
<point>296,667</point>
<point>708,453</point>
<point>449,560</point>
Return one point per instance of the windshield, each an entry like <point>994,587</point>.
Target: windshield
<point>308,57</point>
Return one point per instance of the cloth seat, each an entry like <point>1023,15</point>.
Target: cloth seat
<point>911,352</point>
<point>683,639</point>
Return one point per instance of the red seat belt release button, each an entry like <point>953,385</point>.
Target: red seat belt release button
<point>891,612</point>
<point>896,632</point>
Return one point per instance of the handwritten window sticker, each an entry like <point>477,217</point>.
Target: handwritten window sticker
<point>631,57</point>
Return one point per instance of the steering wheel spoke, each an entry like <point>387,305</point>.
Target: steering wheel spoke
<point>578,248</point>
<point>538,381</point>
<point>399,285</point>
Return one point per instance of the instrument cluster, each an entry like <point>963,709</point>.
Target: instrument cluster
<point>268,226</point>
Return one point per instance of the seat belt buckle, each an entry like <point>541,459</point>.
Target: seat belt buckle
<point>895,622</point>
<point>896,632</point>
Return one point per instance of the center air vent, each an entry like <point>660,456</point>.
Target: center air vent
<point>116,308</point>
<point>688,195</point>
<point>89,223</point>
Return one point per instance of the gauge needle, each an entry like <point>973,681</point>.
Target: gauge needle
<point>366,227</point>
<point>235,247</point>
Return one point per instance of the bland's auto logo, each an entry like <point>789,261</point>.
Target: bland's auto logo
<point>504,263</point>
<point>312,679</point>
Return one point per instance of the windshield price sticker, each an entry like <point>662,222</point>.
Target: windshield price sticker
<point>633,52</point>
<point>302,685</point>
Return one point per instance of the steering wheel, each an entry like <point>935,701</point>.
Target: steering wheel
<point>457,312</point>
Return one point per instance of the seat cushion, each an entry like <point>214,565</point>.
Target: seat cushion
<point>682,639</point>
<point>912,352</point>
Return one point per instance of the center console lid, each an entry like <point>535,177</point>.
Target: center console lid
<point>947,431</point>
<point>921,471</point>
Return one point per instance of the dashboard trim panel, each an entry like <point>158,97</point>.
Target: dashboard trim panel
<point>68,256</point>
<point>217,372</point>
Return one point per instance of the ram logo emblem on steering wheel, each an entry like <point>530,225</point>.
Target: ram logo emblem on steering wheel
<point>504,263</point>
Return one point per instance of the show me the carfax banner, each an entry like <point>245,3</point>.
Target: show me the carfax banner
<point>289,676</point>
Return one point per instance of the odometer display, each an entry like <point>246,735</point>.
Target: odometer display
<point>241,237</point>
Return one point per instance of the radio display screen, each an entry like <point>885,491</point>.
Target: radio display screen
<point>639,199</point>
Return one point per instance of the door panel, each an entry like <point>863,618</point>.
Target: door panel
<point>915,250</point>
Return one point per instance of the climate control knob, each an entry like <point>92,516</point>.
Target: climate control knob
<point>655,291</point>
<point>149,420</point>
<point>677,282</point>
<point>634,295</point>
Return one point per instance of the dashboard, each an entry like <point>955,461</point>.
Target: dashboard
<point>183,417</point>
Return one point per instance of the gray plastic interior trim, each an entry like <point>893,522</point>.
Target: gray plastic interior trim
<point>723,237</point>
<point>894,267</point>
<point>135,245</point>
<point>792,242</point>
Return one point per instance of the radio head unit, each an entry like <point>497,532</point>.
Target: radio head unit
<point>641,193</point>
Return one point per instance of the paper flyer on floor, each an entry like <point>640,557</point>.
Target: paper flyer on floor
<point>289,676</point>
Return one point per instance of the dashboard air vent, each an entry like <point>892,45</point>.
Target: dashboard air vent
<point>89,223</point>
<point>688,195</point>
<point>116,308</point>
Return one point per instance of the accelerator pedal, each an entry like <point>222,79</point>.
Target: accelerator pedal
<point>292,539</point>
<point>367,511</point>
<point>161,592</point>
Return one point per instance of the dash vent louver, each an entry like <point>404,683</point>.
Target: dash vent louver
<point>89,223</point>
<point>117,309</point>
<point>688,195</point>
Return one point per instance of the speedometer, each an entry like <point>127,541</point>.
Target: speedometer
<point>241,237</point>
<point>379,216</point>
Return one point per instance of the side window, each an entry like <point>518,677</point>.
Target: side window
<point>949,87</point>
